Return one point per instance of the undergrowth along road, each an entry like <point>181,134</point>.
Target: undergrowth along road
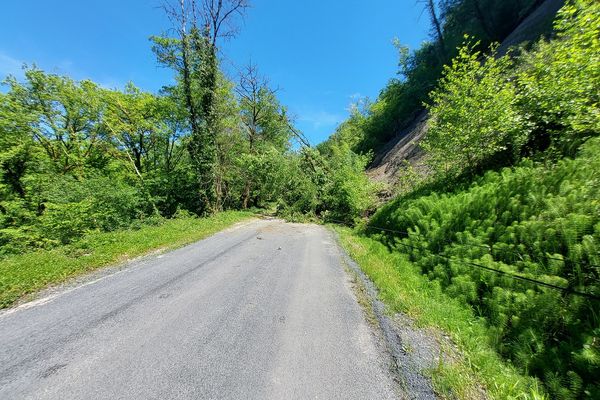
<point>23,275</point>
<point>468,367</point>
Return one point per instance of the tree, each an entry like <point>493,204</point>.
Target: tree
<point>132,119</point>
<point>559,79</point>
<point>266,125</point>
<point>64,117</point>
<point>193,55</point>
<point>473,112</point>
<point>437,27</point>
<point>135,121</point>
<point>15,146</point>
<point>348,192</point>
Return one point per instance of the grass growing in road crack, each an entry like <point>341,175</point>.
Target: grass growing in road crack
<point>404,289</point>
<point>24,274</point>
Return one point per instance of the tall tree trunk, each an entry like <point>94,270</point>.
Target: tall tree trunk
<point>246,198</point>
<point>438,29</point>
<point>196,146</point>
<point>200,69</point>
<point>207,103</point>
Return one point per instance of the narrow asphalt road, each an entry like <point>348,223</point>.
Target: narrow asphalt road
<point>264,310</point>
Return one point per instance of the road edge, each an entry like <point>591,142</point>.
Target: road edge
<point>406,369</point>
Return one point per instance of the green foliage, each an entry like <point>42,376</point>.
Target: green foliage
<point>537,220</point>
<point>559,79</point>
<point>533,220</point>
<point>487,21</point>
<point>267,134</point>
<point>97,203</point>
<point>196,94</point>
<point>329,182</point>
<point>76,158</point>
<point>484,109</point>
<point>62,116</point>
<point>403,288</point>
<point>266,173</point>
<point>302,190</point>
<point>473,112</point>
<point>348,193</point>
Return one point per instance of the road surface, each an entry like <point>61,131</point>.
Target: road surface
<point>264,310</point>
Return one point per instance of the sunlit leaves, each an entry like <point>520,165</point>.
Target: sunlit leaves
<point>473,112</point>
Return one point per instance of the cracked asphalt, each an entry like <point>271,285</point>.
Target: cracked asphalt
<point>263,310</point>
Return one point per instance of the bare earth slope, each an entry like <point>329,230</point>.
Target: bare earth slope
<point>261,311</point>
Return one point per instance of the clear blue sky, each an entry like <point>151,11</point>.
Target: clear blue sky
<point>322,54</point>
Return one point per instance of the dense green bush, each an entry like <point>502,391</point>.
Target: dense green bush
<point>329,182</point>
<point>302,191</point>
<point>541,222</point>
<point>97,203</point>
<point>60,209</point>
<point>558,80</point>
<point>348,191</point>
<point>473,112</point>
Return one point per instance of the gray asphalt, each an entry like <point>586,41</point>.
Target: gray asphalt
<point>264,310</point>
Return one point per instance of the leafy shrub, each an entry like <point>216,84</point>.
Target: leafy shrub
<point>558,79</point>
<point>62,209</point>
<point>329,182</point>
<point>473,115</point>
<point>97,203</point>
<point>301,191</point>
<point>348,191</point>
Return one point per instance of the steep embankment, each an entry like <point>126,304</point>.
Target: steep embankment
<point>404,147</point>
<point>520,247</point>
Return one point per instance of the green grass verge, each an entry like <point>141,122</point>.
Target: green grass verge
<point>404,289</point>
<point>21,275</point>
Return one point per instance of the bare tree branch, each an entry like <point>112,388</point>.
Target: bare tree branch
<point>217,17</point>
